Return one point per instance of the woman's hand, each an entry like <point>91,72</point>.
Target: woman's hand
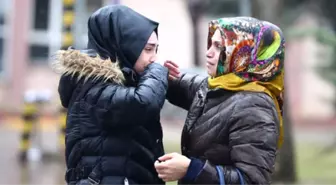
<point>174,166</point>
<point>173,68</point>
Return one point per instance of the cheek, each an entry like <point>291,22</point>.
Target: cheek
<point>216,55</point>
<point>209,53</point>
<point>141,60</point>
<point>145,57</point>
<point>214,69</point>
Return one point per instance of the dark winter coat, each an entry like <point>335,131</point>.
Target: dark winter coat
<point>111,126</point>
<point>234,130</point>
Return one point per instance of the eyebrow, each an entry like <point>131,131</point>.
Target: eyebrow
<point>152,44</point>
<point>217,42</point>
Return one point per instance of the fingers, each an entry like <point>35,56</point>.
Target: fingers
<point>164,168</point>
<point>170,77</point>
<point>164,173</point>
<point>166,157</point>
<point>172,67</point>
<point>173,73</point>
<point>172,63</point>
<point>161,170</point>
<point>158,166</point>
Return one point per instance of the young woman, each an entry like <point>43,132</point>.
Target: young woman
<point>114,92</point>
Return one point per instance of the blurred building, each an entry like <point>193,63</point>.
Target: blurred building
<point>31,31</point>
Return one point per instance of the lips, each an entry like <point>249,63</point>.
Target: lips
<point>210,64</point>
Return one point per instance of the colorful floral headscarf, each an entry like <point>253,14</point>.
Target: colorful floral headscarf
<point>252,58</point>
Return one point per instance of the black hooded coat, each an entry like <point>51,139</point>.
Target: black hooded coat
<point>113,132</point>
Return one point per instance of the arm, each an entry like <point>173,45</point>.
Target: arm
<point>120,105</point>
<point>253,142</point>
<point>181,91</point>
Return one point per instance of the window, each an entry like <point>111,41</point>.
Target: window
<point>41,15</point>
<point>38,35</point>
<point>38,52</point>
<point>4,6</point>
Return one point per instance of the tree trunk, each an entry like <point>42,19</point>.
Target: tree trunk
<point>285,164</point>
<point>196,11</point>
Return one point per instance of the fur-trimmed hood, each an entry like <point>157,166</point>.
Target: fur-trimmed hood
<point>86,64</point>
<point>79,66</point>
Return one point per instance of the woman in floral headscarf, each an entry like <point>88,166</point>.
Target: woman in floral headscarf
<point>234,124</point>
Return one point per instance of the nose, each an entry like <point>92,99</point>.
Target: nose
<point>209,53</point>
<point>153,58</point>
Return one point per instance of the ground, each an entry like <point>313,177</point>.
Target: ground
<point>313,167</point>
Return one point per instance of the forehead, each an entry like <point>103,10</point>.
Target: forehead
<point>216,36</point>
<point>153,38</point>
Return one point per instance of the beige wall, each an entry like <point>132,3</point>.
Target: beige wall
<point>315,93</point>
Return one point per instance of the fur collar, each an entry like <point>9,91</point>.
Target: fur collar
<point>71,62</point>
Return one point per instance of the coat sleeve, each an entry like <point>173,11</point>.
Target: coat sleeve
<point>253,136</point>
<point>120,106</point>
<point>181,91</point>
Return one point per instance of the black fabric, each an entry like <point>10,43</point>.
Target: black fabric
<point>237,130</point>
<point>118,32</point>
<point>189,84</point>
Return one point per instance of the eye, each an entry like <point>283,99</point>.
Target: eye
<point>218,46</point>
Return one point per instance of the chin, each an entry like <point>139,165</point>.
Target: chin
<point>208,70</point>
<point>210,73</point>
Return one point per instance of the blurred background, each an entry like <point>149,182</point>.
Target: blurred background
<point>32,120</point>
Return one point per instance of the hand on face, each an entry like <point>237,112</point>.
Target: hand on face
<point>148,54</point>
<point>174,71</point>
<point>173,167</point>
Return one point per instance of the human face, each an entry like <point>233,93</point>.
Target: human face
<point>148,54</point>
<point>213,53</point>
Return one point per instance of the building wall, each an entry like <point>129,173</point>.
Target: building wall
<point>311,95</point>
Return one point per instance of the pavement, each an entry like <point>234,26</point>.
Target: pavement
<point>33,172</point>
<point>50,168</point>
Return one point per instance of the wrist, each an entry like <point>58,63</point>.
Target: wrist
<point>186,165</point>
<point>194,167</point>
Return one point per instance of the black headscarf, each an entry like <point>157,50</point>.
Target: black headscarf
<point>118,32</point>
